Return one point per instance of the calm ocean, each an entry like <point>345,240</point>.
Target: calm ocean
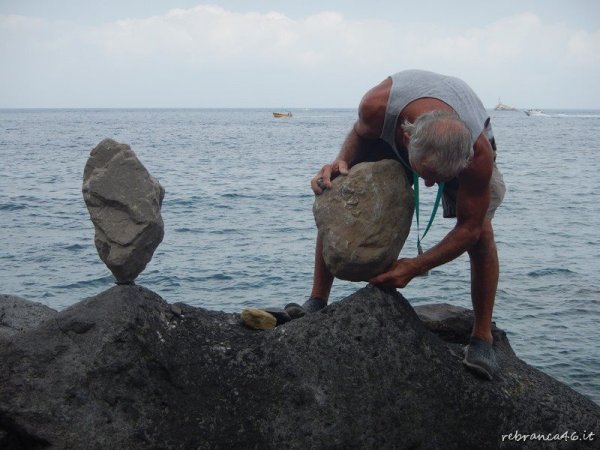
<point>239,225</point>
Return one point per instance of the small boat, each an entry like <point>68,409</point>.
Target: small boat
<point>534,112</point>
<point>280,115</point>
<point>503,107</point>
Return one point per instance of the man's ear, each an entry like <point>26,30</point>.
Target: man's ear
<point>405,138</point>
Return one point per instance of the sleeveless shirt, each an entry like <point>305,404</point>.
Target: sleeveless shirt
<point>410,85</point>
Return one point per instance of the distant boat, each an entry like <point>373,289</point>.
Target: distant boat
<point>503,107</point>
<point>534,112</point>
<point>280,115</point>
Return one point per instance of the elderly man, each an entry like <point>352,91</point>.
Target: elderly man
<point>437,127</point>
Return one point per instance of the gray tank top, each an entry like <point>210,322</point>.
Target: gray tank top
<point>411,85</point>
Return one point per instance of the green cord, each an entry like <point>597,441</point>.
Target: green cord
<point>435,208</point>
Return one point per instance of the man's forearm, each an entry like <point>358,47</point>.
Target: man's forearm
<point>455,243</point>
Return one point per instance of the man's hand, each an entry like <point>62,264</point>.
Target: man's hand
<point>322,180</point>
<point>399,275</point>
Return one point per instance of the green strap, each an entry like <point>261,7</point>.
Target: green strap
<point>435,208</point>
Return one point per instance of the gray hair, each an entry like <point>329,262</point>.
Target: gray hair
<point>442,141</point>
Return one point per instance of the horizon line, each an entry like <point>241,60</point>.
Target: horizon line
<point>295,108</point>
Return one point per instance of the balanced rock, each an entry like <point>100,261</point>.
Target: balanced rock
<point>364,219</point>
<point>124,203</point>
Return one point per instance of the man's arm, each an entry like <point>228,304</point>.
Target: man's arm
<point>472,203</point>
<point>356,148</point>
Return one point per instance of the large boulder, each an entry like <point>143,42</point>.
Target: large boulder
<point>364,219</point>
<point>124,203</point>
<point>125,369</point>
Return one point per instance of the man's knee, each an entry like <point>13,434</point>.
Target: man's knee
<point>485,243</point>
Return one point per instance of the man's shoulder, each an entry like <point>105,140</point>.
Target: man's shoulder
<point>479,171</point>
<point>372,108</point>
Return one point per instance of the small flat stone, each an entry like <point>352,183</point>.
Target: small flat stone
<point>258,319</point>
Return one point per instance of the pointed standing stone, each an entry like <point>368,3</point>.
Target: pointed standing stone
<point>124,203</point>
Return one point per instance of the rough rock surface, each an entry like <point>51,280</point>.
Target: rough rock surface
<point>451,323</point>
<point>125,369</point>
<point>18,314</point>
<point>124,203</point>
<point>364,219</point>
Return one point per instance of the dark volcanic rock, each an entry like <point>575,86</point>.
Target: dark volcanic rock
<point>18,314</point>
<point>364,219</point>
<point>453,323</point>
<point>124,203</point>
<point>125,369</point>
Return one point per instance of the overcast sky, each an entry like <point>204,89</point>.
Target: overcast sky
<point>286,54</point>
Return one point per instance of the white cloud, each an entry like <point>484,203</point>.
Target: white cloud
<point>211,33</point>
<point>313,52</point>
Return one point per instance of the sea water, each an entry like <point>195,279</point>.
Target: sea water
<point>239,229</point>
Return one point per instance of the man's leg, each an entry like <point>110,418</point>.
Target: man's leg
<point>322,277</point>
<point>484,281</point>
<point>322,282</point>
<point>479,354</point>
